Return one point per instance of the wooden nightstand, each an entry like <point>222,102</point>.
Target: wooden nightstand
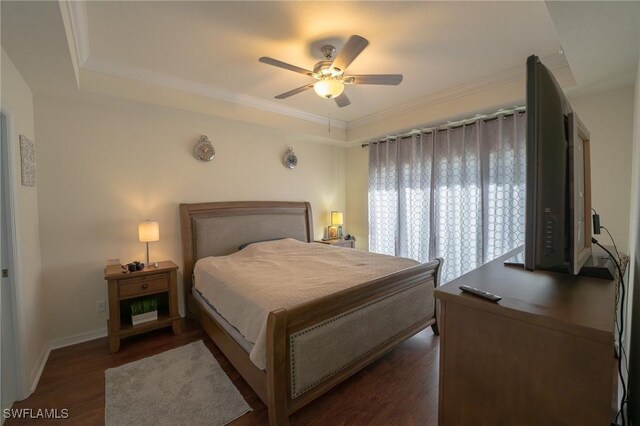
<point>339,242</point>
<point>123,288</point>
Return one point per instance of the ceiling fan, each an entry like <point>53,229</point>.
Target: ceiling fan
<point>330,73</point>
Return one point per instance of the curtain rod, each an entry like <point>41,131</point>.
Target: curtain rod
<point>455,125</point>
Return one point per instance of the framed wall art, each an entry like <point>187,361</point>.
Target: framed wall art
<point>27,161</point>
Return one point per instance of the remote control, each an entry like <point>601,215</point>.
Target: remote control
<point>480,293</point>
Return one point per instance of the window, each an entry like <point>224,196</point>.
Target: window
<point>456,193</point>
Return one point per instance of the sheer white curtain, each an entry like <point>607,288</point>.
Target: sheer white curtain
<point>384,217</point>
<point>456,193</point>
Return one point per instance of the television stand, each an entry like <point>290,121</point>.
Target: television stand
<point>544,354</point>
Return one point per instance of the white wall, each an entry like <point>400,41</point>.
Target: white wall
<point>17,101</point>
<point>356,219</point>
<point>608,115</point>
<point>111,163</point>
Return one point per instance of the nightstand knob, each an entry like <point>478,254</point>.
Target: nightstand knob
<point>145,285</point>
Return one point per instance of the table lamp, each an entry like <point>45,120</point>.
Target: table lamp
<point>337,220</point>
<point>148,232</point>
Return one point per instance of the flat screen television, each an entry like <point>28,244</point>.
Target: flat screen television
<point>558,200</point>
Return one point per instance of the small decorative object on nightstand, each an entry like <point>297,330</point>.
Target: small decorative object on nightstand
<point>332,232</point>
<point>127,288</point>
<point>144,310</point>
<point>339,242</point>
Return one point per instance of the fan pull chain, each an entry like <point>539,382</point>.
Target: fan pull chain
<point>329,112</point>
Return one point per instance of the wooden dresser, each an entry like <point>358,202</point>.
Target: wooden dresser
<point>544,354</point>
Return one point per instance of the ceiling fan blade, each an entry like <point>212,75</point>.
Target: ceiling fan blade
<point>294,91</point>
<point>385,79</point>
<point>342,100</point>
<point>280,64</point>
<point>355,45</point>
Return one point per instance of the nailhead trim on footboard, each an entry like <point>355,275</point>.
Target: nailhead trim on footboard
<point>348,335</point>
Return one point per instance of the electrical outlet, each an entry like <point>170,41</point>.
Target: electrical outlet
<point>101,306</point>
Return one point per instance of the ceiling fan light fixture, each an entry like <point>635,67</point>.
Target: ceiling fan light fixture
<point>329,88</point>
<point>330,72</point>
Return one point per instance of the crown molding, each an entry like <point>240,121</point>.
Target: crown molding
<point>498,79</point>
<point>160,79</point>
<point>79,28</point>
<point>74,19</point>
<point>71,41</point>
<point>79,46</point>
<point>612,83</point>
<point>75,16</point>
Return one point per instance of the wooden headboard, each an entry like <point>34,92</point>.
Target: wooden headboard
<point>218,229</point>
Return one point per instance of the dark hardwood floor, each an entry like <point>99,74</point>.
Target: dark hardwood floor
<point>401,388</point>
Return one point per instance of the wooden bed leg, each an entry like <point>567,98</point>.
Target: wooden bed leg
<point>189,303</point>
<point>435,329</point>
<point>436,303</point>
<point>277,368</point>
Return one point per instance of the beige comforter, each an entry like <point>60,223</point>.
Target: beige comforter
<point>245,286</point>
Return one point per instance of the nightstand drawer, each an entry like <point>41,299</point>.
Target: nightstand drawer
<point>339,242</point>
<point>344,244</point>
<point>139,286</point>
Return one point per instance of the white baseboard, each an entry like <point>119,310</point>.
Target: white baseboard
<point>77,338</point>
<point>57,344</point>
<point>38,368</point>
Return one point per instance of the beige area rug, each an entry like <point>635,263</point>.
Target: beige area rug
<point>183,386</point>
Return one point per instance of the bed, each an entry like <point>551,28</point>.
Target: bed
<point>293,348</point>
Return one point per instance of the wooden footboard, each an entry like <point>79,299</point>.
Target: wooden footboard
<point>404,300</point>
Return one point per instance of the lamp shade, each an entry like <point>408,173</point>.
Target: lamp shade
<point>336,218</point>
<point>329,88</point>
<point>148,231</point>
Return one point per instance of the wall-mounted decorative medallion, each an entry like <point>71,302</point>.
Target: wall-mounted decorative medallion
<point>204,149</point>
<point>290,159</point>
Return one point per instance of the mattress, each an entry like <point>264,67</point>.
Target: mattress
<point>245,286</point>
